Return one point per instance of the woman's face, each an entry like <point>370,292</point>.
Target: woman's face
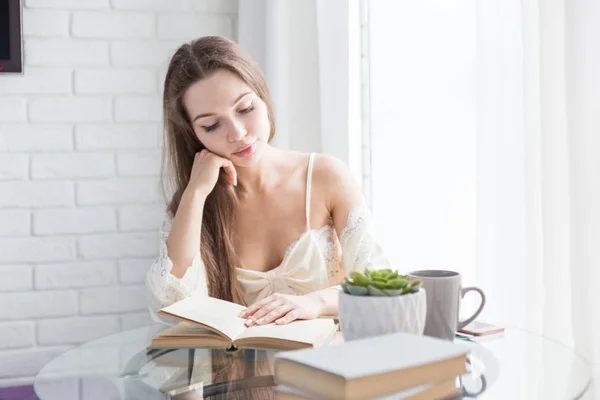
<point>228,117</point>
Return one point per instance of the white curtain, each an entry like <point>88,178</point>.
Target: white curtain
<point>538,147</point>
<point>304,49</point>
<point>485,140</point>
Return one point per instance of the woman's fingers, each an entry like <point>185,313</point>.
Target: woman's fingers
<point>248,312</point>
<point>229,168</point>
<point>289,317</point>
<point>266,309</point>
<point>278,312</point>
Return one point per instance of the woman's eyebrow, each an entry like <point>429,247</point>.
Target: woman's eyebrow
<point>211,114</point>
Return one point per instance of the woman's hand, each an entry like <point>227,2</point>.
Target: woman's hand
<point>205,172</point>
<point>282,308</point>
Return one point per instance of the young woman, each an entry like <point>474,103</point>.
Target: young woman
<point>273,229</point>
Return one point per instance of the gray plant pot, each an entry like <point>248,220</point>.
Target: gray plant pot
<point>367,316</point>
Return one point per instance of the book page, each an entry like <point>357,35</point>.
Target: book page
<point>301,331</point>
<point>183,329</point>
<point>218,315</point>
<point>441,389</point>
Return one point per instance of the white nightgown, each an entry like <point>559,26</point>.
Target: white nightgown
<point>316,260</point>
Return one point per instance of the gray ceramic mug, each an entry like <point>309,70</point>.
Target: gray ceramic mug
<point>444,293</point>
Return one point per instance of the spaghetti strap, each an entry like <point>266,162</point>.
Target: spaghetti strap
<point>308,186</point>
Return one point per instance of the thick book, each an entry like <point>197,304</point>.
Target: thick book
<point>210,322</point>
<point>446,389</point>
<point>371,367</point>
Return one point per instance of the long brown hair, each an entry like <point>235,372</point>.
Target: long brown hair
<point>193,62</point>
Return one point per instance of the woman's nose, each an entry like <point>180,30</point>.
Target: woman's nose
<point>237,131</point>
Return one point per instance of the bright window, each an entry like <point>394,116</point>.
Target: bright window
<point>422,126</point>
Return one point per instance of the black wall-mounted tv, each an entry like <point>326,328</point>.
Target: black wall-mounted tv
<point>11,41</point>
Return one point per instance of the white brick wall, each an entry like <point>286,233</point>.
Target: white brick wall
<point>12,109</point>
<point>75,329</point>
<point>46,23</point>
<point>29,193</point>
<point>15,278</point>
<point>34,137</point>
<point>15,335</point>
<point>14,223</point>
<point>82,53</point>
<point>133,270</point>
<point>112,24</point>
<point>80,136</point>
<point>14,166</point>
<point>137,108</point>
<point>74,220</point>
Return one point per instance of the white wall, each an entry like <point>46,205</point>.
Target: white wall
<point>79,157</point>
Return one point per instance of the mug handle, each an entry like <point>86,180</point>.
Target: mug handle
<point>463,291</point>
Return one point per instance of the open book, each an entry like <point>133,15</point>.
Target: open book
<point>210,322</point>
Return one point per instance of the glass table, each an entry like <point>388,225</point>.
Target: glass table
<point>513,365</point>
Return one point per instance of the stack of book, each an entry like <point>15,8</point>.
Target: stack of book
<point>395,366</point>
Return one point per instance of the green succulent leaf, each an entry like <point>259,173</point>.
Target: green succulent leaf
<point>358,290</point>
<point>345,288</point>
<point>373,291</point>
<point>359,279</point>
<point>386,273</point>
<point>416,282</point>
<point>415,286</point>
<point>397,283</point>
<point>379,282</point>
<point>407,290</point>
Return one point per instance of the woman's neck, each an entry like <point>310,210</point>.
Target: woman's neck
<point>260,175</point>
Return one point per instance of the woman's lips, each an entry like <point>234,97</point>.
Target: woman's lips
<point>245,151</point>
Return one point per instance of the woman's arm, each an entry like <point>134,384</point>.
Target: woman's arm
<point>183,243</point>
<point>343,193</point>
<point>184,239</point>
<point>163,287</point>
<point>178,271</point>
<point>352,220</point>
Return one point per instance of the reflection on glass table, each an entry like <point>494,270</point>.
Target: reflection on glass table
<point>513,365</point>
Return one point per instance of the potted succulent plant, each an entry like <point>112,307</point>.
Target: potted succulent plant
<point>379,302</point>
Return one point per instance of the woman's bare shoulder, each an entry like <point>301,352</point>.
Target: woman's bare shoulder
<point>292,160</point>
<point>292,156</point>
<point>333,179</point>
<point>329,170</point>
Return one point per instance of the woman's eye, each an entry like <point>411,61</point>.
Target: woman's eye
<point>211,127</point>
<point>247,109</point>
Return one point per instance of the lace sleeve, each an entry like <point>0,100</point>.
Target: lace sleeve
<point>163,288</point>
<point>359,247</point>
